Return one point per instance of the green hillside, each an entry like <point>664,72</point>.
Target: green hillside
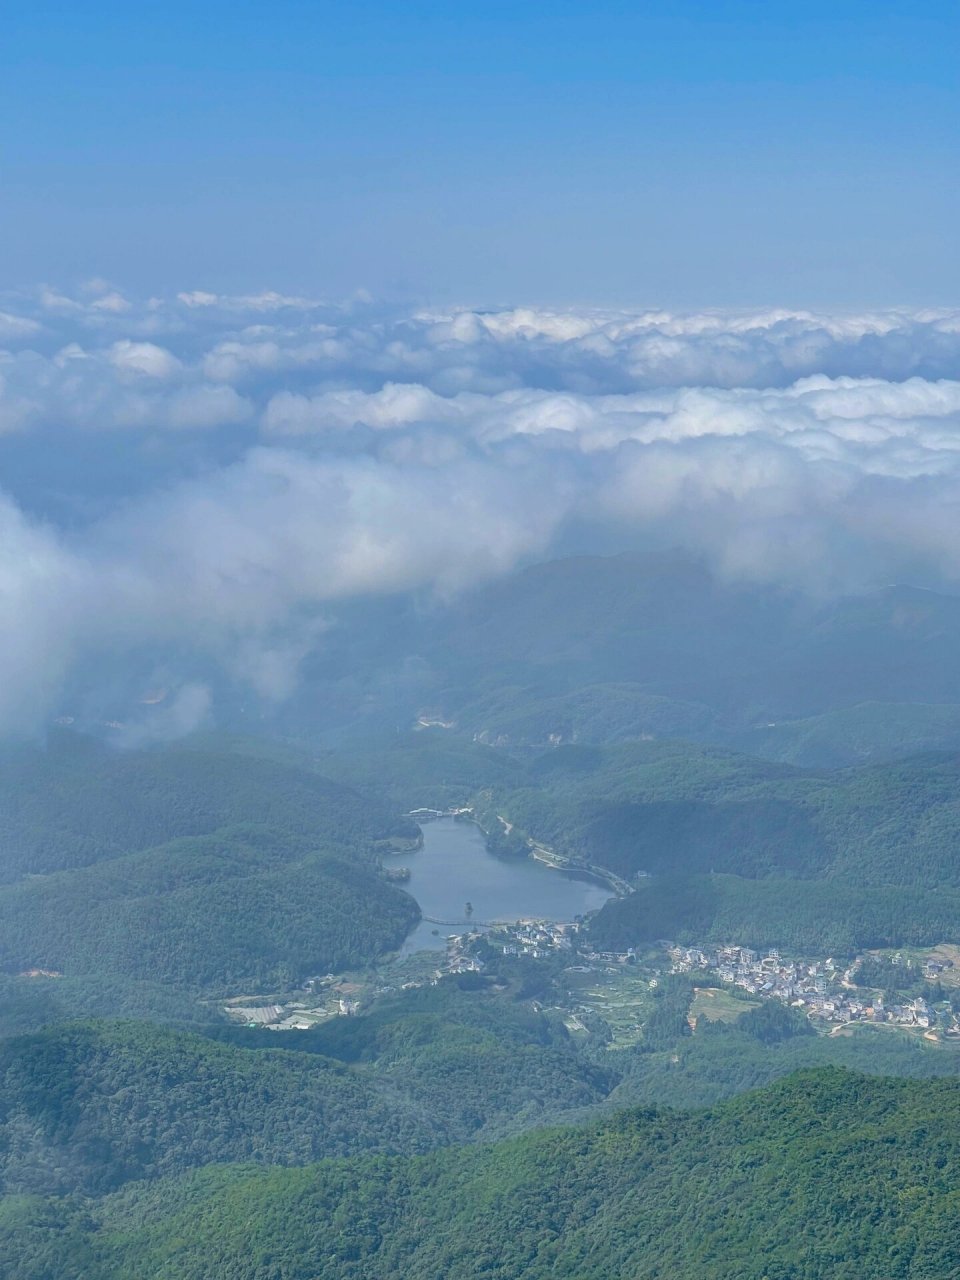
<point>201,869</point>
<point>602,649</point>
<point>729,846</point>
<point>664,626</point>
<point>824,1174</point>
<point>242,908</point>
<point>524,717</point>
<point>659,807</point>
<point>432,768</point>
<point>855,734</point>
<point>816,917</point>
<point>77,802</point>
<point>90,1106</point>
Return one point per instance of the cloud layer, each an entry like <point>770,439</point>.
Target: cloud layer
<point>235,466</point>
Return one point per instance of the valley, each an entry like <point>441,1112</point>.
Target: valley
<point>236,958</point>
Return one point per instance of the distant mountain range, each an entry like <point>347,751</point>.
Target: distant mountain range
<point>592,649</point>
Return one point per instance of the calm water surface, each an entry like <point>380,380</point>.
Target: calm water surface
<point>454,868</point>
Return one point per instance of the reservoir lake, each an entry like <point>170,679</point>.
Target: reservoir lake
<point>454,868</point>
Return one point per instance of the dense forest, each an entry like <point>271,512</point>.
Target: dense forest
<point>88,1106</point>
<point>76,801</point>
<point>826,1173</point>
<point>267,869</point>
<point>727,847</point>
<point>657,807</point>
<point>243,907</point>
<point>204,870</point>
<point>821,917</point>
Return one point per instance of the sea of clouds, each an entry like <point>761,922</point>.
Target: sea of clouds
<point>210,474</point>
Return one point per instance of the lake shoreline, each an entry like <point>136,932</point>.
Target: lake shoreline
<point>454,867</point>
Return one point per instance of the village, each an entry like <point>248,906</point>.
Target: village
<point>823,989</point>
<point>344,995</point>
<point>826,990</point>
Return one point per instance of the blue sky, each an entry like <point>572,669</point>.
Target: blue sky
<point>627,271</point>
<point>686,154</point>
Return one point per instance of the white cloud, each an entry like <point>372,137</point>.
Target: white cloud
<point>113,302</point>
<point>395,405</point>
<point>136,386</point>
<point>198,298</point>
<point>143,357</point>
<point>187,710</point>
<point>428,451</point>
<point>42,590</point>
<point>17,328</point>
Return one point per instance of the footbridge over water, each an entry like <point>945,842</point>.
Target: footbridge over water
<point>468,923</point>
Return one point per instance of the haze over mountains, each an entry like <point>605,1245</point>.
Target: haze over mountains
<point>255,467</point>
<point>595,650</point>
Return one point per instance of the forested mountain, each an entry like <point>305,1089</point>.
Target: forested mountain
<point>195,868</point>
<point>824,1174</point>
<point>432,768</point>
<point>90,1106</point>
<point>479,780</point>
<point>731,847</point>
<point>663,624</point>
<point>86,1107</point>
<point>822,917</point>
<point>243,908</point>
<point>659,807</point>
<point>600,649</point>
<point>76,801</point>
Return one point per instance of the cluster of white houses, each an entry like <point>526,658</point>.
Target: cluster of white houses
<point>819,987</point>
<point>537,937</point>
